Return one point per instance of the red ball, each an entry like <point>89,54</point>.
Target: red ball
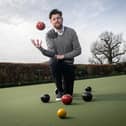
<point>40,25</point>
<point>67,99</point>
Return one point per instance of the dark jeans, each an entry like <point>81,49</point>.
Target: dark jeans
<point>63,74</point>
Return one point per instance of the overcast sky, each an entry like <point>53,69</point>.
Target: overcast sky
<point>88,17</point>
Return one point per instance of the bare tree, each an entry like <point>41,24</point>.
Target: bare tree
<point>108,49</point>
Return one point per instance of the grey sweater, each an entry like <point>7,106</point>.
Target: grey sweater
<point>66,44</point>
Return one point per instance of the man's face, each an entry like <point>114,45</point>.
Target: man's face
<point>56,20</point>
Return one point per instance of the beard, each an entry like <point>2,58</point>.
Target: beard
<point>58,26</point>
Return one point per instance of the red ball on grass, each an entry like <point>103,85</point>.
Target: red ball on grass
<point>66,99</point>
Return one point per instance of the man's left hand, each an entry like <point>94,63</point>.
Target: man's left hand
<point>60,57</point>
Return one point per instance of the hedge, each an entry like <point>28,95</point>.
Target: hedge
<point>17,74</point>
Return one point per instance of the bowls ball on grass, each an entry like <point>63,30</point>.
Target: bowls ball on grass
<point>66,99</point>
<point>61,113</point>
<point>89,89</point>
<point>45,98</point>
<point>87,96</point>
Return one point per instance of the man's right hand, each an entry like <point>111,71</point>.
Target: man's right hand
<point>37,43</point>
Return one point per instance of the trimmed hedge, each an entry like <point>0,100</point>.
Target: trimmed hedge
<point>17,74</point>
<point>14,74</point>
<point>92,70</point>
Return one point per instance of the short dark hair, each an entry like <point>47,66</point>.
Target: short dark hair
<point>55,11</point>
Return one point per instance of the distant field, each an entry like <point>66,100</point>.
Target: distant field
<point>21,106</point>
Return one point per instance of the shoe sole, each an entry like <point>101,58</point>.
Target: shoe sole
<point>58,99</point>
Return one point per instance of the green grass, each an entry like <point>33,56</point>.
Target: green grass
<point>21,106</point>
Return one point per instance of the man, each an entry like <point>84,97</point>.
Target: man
<point>63,46</point>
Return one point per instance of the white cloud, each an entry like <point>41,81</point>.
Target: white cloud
<point>22,10</point>
<point>88,18</point>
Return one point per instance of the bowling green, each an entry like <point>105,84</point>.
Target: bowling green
<point>21,106</point>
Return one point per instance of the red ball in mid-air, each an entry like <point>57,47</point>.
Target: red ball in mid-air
<point>40,25</point>
<point>67,99</point>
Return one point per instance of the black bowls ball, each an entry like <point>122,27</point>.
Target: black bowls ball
<point>52,34</point>
<point>87,96</point>
<point>45,98</point>
<point>89,89</point>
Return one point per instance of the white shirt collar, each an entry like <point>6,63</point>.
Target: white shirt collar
<point>59,32</point>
